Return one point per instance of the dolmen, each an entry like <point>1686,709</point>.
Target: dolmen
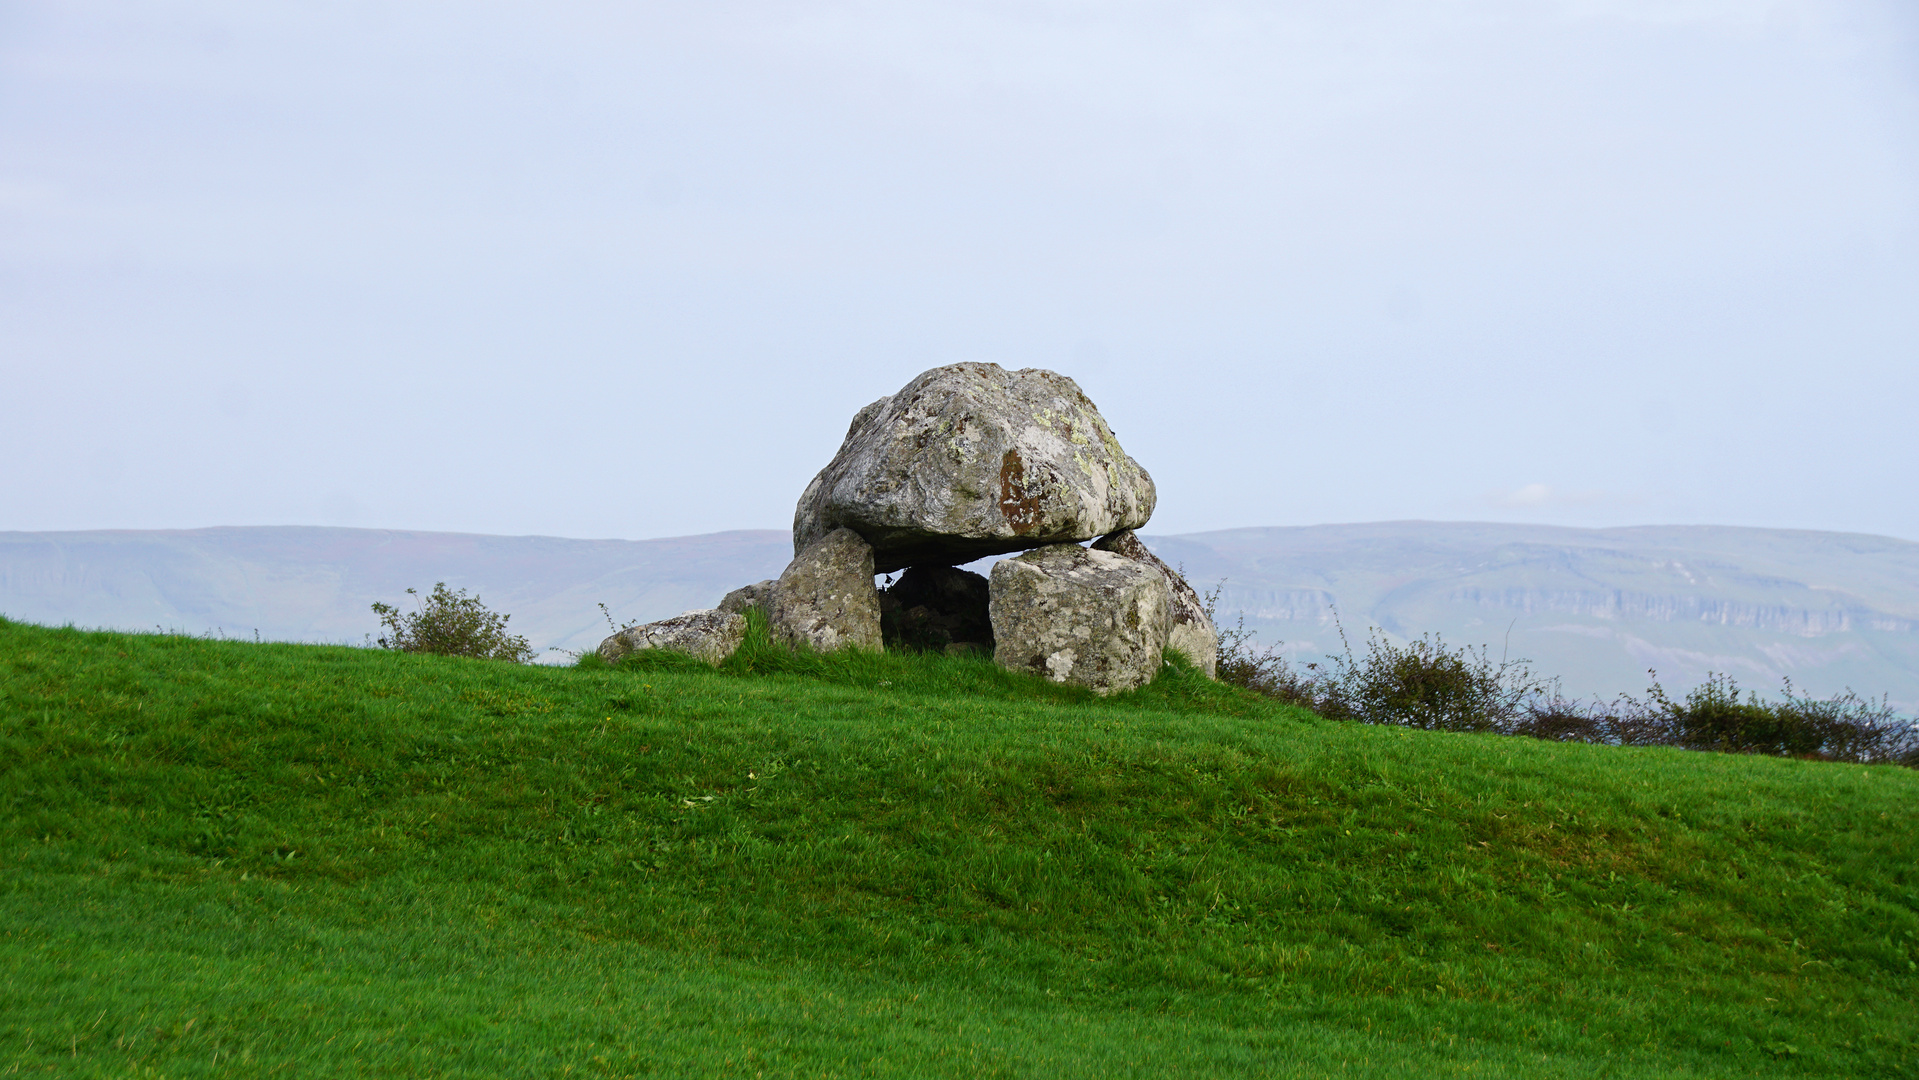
<point>966,462</point>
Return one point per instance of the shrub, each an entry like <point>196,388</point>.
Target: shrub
<point>1427,684</point>
<point>451,623</point>
<point>1623,721</point>
<point>1263,671</point>
<point>1844,727</point>
<point>1421,684</point>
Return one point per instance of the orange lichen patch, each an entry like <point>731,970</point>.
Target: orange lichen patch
<point>1016,502</point>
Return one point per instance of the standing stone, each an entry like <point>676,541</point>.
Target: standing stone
<point>757,595</point>
<point>709,635</point>
<point>1074,615</point>
<point>972,460</point>
<point>1193,633</point>
<point>826,600</point>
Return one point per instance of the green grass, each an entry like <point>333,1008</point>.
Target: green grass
<point>220,858</point>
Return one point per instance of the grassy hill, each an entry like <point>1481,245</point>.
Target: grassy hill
<point>220,858</point>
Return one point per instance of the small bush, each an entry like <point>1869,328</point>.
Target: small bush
<point>1425,684</point>
<point>1844,727</point>
<point>1263,671</point>
<point>451,623</point>
<point>1421,684</point>
<point>1623,721</point>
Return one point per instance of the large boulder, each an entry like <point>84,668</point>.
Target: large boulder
<point>935,608</point>
<point>972,460</point>
<point>1193,633</point>
<point>710,635</point>
<point>757,595</point>
<point>1079,616</point>
<point>826,600</point>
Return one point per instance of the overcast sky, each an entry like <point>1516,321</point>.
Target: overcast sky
<point>627,270</point>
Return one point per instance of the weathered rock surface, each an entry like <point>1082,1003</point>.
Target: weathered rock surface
<point>757,595</point>
<point>1193,632</point>
<point>1075,615</point>
<point>935,608</point>
<point>711,635</point>
<point>826,600</point>
<point>972,460</point>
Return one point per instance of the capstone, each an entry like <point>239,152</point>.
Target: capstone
<point>972,460</point>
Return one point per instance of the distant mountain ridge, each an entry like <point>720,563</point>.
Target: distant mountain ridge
<point>298,583</point>
<point>1596,607</point>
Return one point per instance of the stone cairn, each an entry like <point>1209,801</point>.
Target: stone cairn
<point>965,462</point>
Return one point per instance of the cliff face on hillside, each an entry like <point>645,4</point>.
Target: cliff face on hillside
<point>1597,607</point>
<point>1620,604</point>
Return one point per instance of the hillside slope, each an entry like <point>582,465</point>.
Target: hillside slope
<point>220,858</point>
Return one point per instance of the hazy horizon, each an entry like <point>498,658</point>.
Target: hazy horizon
<point>1148,530</point>
<point>593,270</point>
<point>1595,608</point>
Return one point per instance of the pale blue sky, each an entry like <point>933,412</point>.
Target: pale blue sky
<point>627,270</point>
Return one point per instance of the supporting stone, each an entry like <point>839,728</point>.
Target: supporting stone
<point>1193,634</point>
<point>826,600</point>
<point>1073,615</point>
